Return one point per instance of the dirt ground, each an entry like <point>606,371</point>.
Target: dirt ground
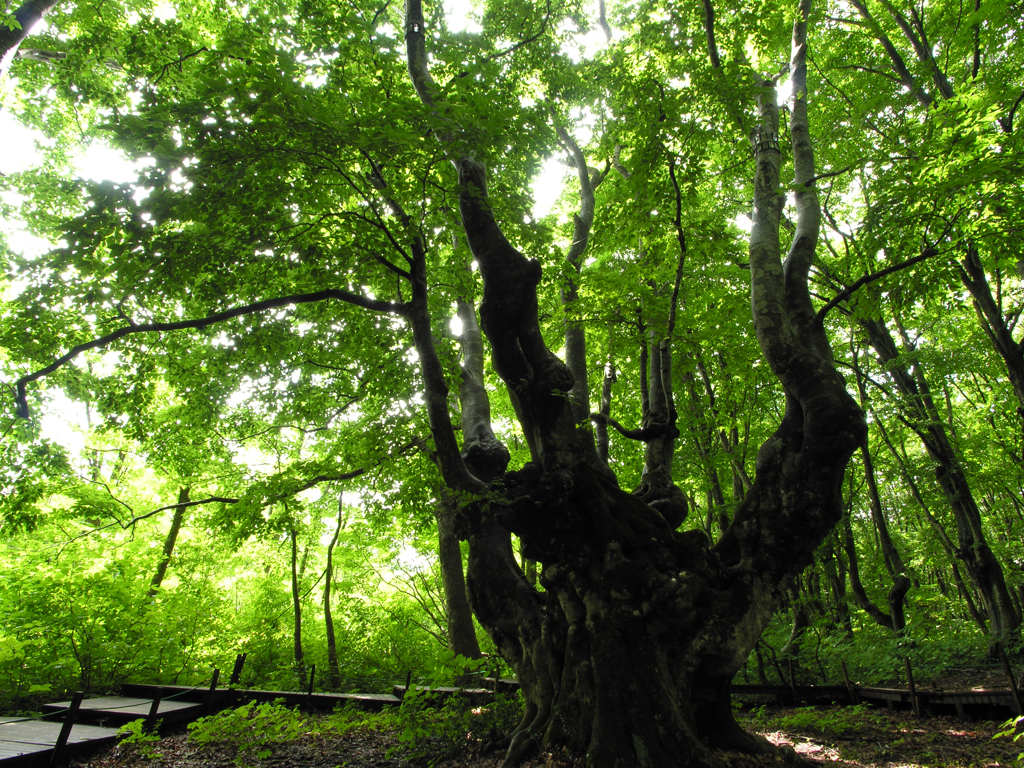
<point>859,737</point>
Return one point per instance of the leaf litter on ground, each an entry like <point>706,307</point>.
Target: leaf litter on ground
<point>835,737</point>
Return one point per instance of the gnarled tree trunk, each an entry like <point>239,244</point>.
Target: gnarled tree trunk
<point>629,653</point>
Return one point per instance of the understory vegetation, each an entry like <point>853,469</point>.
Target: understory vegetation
<point>461,734</point>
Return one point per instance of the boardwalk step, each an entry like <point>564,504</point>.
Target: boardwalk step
<point>119,710</point>
<point>30,742</point>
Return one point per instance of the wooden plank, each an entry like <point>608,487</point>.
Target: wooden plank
<point>122,704</point>
<point>120,710</point>
<point>503,685</point>
<point>146,691</point>
<point>14,749</point>
<point>46,732</point>
<point>371,701</point>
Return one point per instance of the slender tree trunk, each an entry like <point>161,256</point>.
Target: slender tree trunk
<point>801,621</point>
<point>835,571</point>
<point>940,532</point>
<point>856,586</point>
<point>994,321</point>
<point>973,548</point>
<point>461,630</point>
<point>575,334</point>
<point>332,642</point>
<point>300,664</point>
<point>169,542</point>
<point>890,554</point>
<point>605,410</point>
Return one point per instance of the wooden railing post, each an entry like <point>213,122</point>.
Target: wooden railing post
<point>154,708</point>
<point>213,688</point>
<point>312,680</point>
<point>792,683</point>
<point>850,690</point>
<point>236,673</point>
<point>65,729</point>
<point>1013,683</point>
<point>408,682</point>
<point>913,691</point>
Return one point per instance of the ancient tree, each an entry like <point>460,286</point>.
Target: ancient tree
<point>628,653</point>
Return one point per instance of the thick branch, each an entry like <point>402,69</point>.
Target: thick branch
<point>644,434</point>
<point>894,56</point>
<point>709,33</point>
<point>866,279</point>
<point>617,163</point>
<point>681,239</point>
<point>808,222</point>
<point>218,317</point>
<point>27,15</point>
<point>1006,123</point>
<point>602,20</point>
<point>485,455</point>
<point>575,336</point>
<point>416,50</point>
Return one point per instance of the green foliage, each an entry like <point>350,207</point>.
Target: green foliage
<point>432,731</point>
<point>1013,729</point>
<point>137,738</point>
<point>840,721</point>
<point>251,729</point>
<point>10,21</point>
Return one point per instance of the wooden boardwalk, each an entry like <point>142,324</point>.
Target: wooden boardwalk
<point>115,711</point>
<point>227,697</point>
<point>997,705</point>
<point>29,743</point>
<point>25,742</point>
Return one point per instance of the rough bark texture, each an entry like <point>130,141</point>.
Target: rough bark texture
<point>629,653</point>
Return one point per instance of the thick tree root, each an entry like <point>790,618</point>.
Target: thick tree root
<point>524,746</point>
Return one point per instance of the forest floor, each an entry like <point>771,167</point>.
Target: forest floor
<point>851,737</point>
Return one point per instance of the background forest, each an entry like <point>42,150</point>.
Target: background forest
<point>247,467</point>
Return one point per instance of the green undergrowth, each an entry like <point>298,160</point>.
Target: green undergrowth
<point>1013,729</point>
<point>253,729</point>
<point>863,735</point>
<point>432,730</point>
<point>426,728</point>
<point>837,721</point>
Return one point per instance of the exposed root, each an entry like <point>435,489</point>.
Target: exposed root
<point>524,746</point>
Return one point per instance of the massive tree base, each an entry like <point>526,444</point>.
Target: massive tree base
<point>628,654</point>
